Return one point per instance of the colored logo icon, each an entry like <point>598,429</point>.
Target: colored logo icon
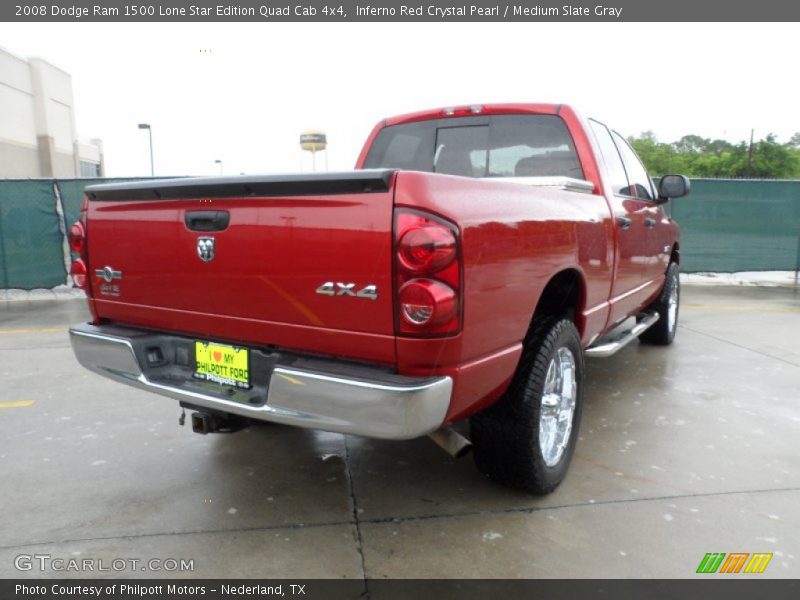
<point>735,562</point>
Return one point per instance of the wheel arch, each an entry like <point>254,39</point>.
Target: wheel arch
<point>563,295</point>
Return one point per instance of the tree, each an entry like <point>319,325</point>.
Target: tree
<point>794,141</point>
<point>696,156</point>
<point>773,160</point>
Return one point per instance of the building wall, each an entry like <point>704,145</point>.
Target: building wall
<point>16,100</point>
<point>18,161</point>
<point>38,136</point>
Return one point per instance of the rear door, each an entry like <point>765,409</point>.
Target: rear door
<point>656,231</point>
<point>629,213</point>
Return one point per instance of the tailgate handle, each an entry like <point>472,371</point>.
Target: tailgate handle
<point>207,220</point>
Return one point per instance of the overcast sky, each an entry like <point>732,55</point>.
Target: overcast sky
<point>242,93</point>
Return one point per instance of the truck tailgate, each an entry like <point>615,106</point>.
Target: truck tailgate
<point>246,259</point>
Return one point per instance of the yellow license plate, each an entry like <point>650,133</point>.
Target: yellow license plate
<point>222,364</point>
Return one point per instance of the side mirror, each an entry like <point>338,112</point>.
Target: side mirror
<point>673,186</point>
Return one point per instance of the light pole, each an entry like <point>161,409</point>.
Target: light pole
<point>219,162</point>
<point>150,135</point>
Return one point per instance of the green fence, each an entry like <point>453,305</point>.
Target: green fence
<point>732,225</point>
<point>31,253</point>
<point>727,226</point>
<point>35,215</point>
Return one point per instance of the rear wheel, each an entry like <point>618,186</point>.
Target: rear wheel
<point>526,440</point>
<point>666,305</point>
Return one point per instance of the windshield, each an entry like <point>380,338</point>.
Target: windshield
<point>480,146</point>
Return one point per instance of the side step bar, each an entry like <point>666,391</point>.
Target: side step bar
<point>618,342</point>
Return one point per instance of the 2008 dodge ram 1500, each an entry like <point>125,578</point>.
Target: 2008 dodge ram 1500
<point>464,269</point>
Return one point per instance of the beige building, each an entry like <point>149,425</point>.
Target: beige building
<point>37,123</point>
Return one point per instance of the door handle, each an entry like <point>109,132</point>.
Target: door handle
<point>623,222</point>
<point>650,222</point>
<point>207,220</point>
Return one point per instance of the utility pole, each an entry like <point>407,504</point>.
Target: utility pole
<point>750,155</point>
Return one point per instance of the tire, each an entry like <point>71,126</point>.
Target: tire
<point>663,332</point>
<point>506,437</point>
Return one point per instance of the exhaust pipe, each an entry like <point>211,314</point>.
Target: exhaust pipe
<point>452,442</point>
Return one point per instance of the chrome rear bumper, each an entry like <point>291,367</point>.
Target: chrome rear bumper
<point>311,393</point>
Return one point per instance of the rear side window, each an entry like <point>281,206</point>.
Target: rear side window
<point>496,146</point>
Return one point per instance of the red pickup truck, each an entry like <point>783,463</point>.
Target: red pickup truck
<point>464,269</point>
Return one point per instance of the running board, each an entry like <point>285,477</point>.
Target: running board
<point>618,342</point>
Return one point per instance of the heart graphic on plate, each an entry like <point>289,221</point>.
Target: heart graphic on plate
<point>217,355</point>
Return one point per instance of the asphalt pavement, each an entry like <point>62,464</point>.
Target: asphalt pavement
<point>683,450</point>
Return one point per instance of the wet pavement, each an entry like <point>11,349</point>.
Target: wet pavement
<point>684,450</point>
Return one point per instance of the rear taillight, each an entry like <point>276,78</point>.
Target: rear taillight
<point>78,244</point>
<point>426,302</point>
<point>78,272</point>
<point>426,249</point>
<point>77,237</point>
<point>427,275</point>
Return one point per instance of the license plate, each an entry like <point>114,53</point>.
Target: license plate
<point>226,365</point>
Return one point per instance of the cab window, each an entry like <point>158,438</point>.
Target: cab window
<point>480,146</point>
<point>461,150</point>
<point>615,170</point>
<point>640,185</point>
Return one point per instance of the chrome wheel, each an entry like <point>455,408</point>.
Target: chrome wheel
<point>672,305</point>
<point>558,406</point>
